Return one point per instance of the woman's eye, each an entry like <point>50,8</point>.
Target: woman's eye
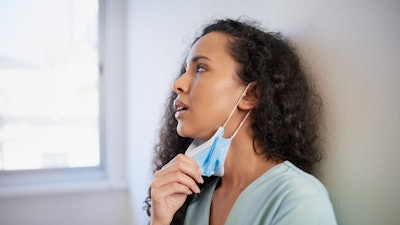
<point>200,69</point>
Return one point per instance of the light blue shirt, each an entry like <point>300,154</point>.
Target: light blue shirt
<point>284,195</point>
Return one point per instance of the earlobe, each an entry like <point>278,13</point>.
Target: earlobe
<point>250,100</point>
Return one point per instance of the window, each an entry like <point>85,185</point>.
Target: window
<point>52,101</point>
<point>49,101</point>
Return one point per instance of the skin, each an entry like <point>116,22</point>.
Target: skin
<point>208,91</point>
<point>210,88</point>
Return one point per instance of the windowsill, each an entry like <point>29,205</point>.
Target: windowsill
<point>63,188</point>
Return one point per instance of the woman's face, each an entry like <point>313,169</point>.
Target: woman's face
<point>208,90</point>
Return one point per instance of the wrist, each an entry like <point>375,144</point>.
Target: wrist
<point>154,221</point>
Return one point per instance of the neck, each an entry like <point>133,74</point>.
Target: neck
<point>243,165</point>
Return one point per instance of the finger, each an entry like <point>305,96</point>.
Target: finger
<point>169,189</point>
<point>180,157</point>
<point>178,177</point>
<point>184,164</point>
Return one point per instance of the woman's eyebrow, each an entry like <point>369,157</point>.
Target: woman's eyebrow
<point>197,58</point>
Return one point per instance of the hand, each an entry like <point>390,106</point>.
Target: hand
<point>171,186</point>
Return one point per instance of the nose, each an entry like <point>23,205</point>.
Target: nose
<point>181,85</point>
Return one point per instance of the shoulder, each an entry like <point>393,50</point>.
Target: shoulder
<point>301,196</point>
<point>295,183</point>
<point>283,195</point>
<point>285,182</point>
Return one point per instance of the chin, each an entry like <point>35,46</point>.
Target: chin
<point>187,134</point>
<point>181,132</point>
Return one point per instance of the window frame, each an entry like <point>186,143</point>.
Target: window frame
<point>111,173</point>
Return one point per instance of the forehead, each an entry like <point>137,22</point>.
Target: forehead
<point>212,45</point>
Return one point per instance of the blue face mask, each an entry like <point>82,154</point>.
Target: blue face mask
<point>211,154</point>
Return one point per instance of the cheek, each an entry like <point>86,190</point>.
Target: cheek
<point>213,103</point>
<point>204,97</point>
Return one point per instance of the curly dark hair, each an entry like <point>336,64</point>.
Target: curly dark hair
<point>287,120</point>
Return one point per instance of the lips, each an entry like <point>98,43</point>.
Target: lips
<point>181,108</point>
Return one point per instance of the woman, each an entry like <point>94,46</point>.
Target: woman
<point>249,85</point>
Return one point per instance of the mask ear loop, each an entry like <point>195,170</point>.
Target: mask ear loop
<point>233,110</point>
<point>240,125</point>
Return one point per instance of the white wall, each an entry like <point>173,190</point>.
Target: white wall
<point>352,47</point>
<point>84,208</point>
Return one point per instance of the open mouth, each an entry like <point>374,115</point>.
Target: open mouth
<point>180,108</point>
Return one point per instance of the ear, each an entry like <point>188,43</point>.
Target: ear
<point>250,99</point>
